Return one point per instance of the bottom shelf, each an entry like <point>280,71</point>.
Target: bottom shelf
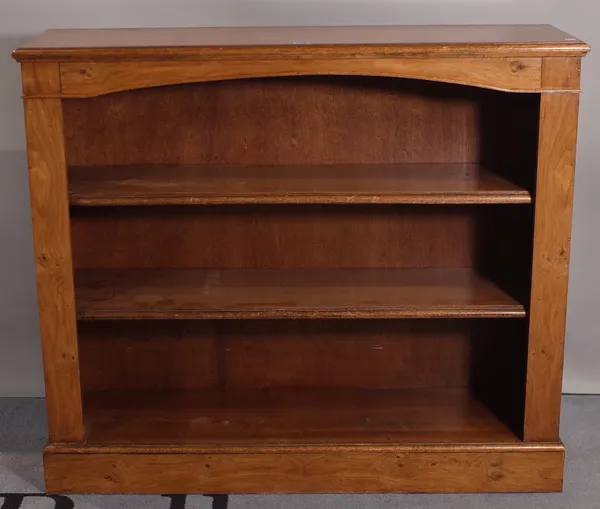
<point>255,418</point>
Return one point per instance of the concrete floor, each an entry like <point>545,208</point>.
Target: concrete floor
<point>23,434</point>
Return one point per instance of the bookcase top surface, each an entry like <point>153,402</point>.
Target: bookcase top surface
<point>340,41</point>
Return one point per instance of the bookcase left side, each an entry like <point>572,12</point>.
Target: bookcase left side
<point>52,244</point>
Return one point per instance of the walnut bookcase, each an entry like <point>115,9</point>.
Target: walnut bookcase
<point>302,259</point>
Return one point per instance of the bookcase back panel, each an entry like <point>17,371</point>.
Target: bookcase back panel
<point>258,354</point>
<point>274,237</point>
<point>484,356</point>
<point>495,239</point>
<point>147,355</point>
<point>298,120</point>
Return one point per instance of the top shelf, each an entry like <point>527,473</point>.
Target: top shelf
<point>318,184</point>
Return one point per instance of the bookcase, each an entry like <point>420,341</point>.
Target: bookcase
<point>302,260</point>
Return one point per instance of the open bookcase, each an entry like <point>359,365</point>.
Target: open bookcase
<point>268,266</point>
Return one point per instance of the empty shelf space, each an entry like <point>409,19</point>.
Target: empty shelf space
<point>355,293</point>
<point>334,184</point>
<point>291,417</point>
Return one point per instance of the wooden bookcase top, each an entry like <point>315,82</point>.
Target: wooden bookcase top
<point>341,41</point>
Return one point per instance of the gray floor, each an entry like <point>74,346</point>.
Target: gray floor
<point>23,434</point>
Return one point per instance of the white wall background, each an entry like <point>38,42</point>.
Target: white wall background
<point>20,364</point>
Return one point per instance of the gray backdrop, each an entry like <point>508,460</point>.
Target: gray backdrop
<point>20,364</point>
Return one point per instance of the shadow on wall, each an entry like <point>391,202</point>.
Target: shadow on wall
<point>11,112</point>
<point>20,357</point>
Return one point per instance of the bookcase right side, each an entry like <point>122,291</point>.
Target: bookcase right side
<point>553,201</point>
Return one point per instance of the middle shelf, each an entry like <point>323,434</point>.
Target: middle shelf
<point>289,293</point>
<point>452,183</point>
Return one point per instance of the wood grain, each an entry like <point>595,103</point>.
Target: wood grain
<point>515,468</point>
<point>151,355</point>
<point>97,78</point>
<point>551,252</point>
<point>561,73</point>
<point>264,42</point>
<point>327,120</point>
<point>148,355</point>
<point>372,354</point>
<point>279,237</point>
<point>290,416</point>
<point>501,447</point>
<point>54,271</point>
<point>259,294</point>
<point>40,79</point>
<point>333,184</point>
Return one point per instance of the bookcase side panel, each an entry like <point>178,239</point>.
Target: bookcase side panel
<point>552,237</point>
<point>51,231</point>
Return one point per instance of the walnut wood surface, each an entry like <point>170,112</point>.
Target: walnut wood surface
<point>253,354</point>
<point>368,293</point>
<point>326,120</point>
<point>500,447</point>
<point>290,416</point>
<point>288,236</point>
<point>551,252</point>
<point>259,42</point>
<point>561,73</point>
<point>447,469</point>
<point>336,184</point>
<point>336,354</point>
<point>81,79</point>
<point>40,79</point>
<point>54,271</point>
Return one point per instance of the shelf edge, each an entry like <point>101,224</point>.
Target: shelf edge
<point>471,312</point>
<point>516,198</point>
